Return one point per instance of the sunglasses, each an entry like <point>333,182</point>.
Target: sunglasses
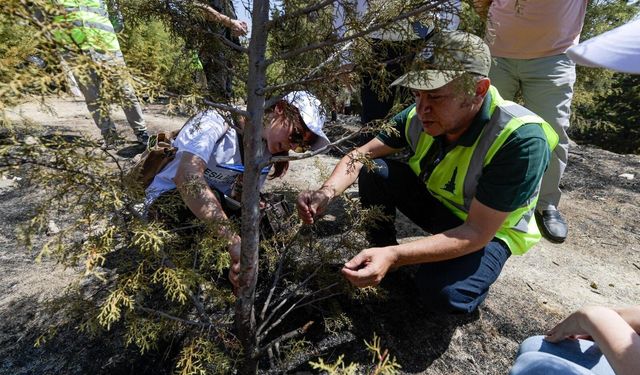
<point>302,137</point>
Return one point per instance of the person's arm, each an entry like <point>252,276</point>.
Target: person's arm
<point>311,203</point>
<point>631,315</point>
<point>237,27</point>
<point>371,265</point>
<point>616,338</point>
<point>482,7</point>
<point>204,204</point>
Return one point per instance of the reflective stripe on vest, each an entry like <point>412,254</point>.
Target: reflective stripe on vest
<point>455,179</point>
<point>86,24</point>
<point>82,8</point>
<point>94,25</point>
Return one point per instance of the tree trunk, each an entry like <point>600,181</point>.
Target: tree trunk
<point>253,152</point>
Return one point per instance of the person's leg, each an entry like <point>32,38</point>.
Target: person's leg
<point>132,108</point>
<point>504,76</point>
<point>456,285</point>
<point>547,89</point>
<point>392,184</point>
<point>90,87</point>
<point>376,95</point>
<point>584,353</point>
<point>461,284</point>
<point>374,105</point>
<point>536,363</point>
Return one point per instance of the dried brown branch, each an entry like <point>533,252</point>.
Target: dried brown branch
<point>286,336</point>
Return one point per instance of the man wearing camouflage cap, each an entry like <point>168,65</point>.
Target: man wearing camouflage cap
<point>472,179</point>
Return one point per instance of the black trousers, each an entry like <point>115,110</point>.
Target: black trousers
<point>396,56</point>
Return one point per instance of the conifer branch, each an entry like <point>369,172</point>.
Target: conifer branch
<point>320,298</point>
<point>301,82</point>
<point>295,14</point>
<point>230,44</point>
<point>376,27</point>
<point>199,307</point>
<point>229,108</point>
<point>322,150</point>
<point>224,107</point>
<point>21,161</point>
<point>174,318</point>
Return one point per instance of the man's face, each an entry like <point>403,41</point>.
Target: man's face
<point>447,110</point>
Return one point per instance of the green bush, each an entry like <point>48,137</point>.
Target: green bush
<point>159,57</point>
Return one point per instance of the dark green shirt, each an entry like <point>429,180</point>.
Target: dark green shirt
<point>513,174</point>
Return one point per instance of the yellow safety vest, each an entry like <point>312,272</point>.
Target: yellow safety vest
<point>454,180</point>
<point>86,24</point>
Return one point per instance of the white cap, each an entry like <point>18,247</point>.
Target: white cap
<point>312,115</point>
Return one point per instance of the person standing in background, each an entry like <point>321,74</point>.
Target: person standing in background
<point>528,41</point>
<point>84,27</point>
<point>393,46</point>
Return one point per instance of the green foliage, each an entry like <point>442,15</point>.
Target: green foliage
<point>31,59</point>
<point>202,357</point>
<point>150,283</point>
<point>381,361</point>
<point>144,333</point>
<point>604,109</point>
<point>160,58</point>
<point>28,64</point>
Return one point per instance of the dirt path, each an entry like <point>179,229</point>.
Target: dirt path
<point>598,264</point>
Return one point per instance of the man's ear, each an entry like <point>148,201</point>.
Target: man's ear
<point>482,87</point>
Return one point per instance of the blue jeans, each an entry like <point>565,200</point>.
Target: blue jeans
<point>454,285</point>
<point>571,357</point>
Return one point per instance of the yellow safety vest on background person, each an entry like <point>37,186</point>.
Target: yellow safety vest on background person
<point>464,166</point>
<point>87,25</point>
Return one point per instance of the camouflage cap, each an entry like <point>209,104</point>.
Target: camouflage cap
<point>447,56</point>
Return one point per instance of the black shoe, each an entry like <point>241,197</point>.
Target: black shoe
<point>142,137</point>
<point>552,225</point>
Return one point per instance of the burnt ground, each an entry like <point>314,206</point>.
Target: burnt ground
<point>598,264</point>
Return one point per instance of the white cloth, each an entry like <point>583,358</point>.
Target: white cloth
<point>208,137</point>
<point>617,49</point>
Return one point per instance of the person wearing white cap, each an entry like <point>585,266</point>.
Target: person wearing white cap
<point>209,161</point>
<point>472,179</point>
<point>617,49</point>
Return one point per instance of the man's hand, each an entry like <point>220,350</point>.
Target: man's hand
<point>369,267</point>
<point>234,252</point>
<point>238,28</point>
<point>312,203</point>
